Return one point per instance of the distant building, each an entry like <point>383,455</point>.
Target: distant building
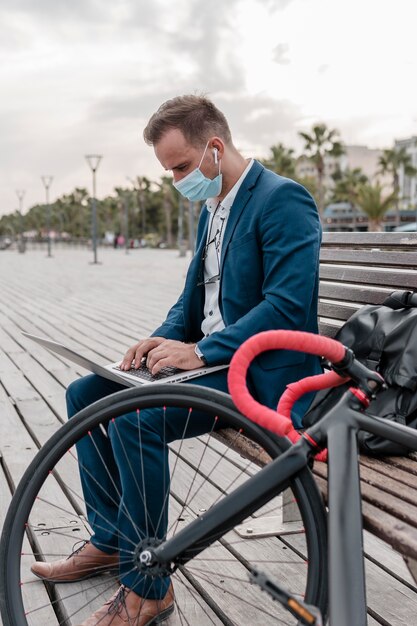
<point>408,185</point>
<point>342,216</point>
<point>305,168</point>
<point>355,157</point>
<point>367,159</point>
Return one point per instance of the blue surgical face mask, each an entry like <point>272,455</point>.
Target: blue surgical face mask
<point>195,186</point>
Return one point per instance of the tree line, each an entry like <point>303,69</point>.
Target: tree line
<point>152,211</point>
<point>349,185</point>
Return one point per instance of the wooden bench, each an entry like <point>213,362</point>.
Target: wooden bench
<point>358,269</point>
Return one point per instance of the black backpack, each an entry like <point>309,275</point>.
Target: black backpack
<point>384,338</point>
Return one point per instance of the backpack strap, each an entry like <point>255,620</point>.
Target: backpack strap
<point>401,300</point>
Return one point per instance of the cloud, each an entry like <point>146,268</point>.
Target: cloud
<point>280,54</point>
<point>85,76</point>
<point>53,10</point>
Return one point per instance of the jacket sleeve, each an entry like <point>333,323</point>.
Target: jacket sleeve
<point>176,324</point>
<point>173,327</point>
<point>288,243</point>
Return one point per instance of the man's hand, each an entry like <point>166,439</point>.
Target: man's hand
<point>174,353</point>
<point>160,352</point>
<point>139,351</point>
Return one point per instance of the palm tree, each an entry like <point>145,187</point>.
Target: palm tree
<point>170,203</point>
<point>347,184</point>
<point>281,161</point>
<point>142,186</point>
<point>320,143</point>
<point>370,199</point>
<point>391,162</point>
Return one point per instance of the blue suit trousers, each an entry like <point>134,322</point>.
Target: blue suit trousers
<point>128,466</point>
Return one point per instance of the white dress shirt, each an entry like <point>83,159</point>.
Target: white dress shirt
<point>219,211</point>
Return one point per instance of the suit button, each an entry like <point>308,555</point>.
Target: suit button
<point>210,312</point>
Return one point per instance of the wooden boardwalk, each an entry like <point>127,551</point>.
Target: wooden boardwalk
<point>102,309</point>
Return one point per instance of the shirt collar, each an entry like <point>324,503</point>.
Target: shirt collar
<point>226,203</point>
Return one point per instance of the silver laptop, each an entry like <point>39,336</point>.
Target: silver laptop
<point>131,378</point>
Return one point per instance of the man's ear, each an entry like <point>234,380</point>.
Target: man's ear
<point>217,146</point>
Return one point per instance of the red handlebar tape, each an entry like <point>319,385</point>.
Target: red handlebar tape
<point>280,421</point>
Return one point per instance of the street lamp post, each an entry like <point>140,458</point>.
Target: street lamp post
<point>93,161</point>
<point>21,243</point>
<point>47,181</point>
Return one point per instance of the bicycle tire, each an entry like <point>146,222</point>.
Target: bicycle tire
<point>16,597</point>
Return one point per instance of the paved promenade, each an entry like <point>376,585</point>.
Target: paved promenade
<point>101,310</point>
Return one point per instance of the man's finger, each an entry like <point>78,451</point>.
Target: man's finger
<point>154,355</point>
<point>160,363</point>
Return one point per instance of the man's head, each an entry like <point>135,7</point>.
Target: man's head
<point>189,133</point>
<point>196,117</point>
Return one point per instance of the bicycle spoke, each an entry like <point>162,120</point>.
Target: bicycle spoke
<point>120,500</point>
<point>173,470</point>
<point>196,598</point>
<point>244,600</point>
<point>186,500</point>
<point>95,509</point>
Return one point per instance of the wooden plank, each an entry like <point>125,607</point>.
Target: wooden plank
<point>38,595</point>
<point>399,534</point>
<point>17,451</point>
<point>378,258</point>
<point>57,367</point>
<point>370,239</point>
<point>412,566</point>
<point>361,294</point>
<point>389,601</point>
<point>365,275</point>
<point>389,485</point>
<point>385,557</point>
<point>405,463</point>
<point>246,447</point>
<point>391,470</point>
<point>336,311</point>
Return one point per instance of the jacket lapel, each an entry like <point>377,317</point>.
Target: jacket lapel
<point>243,196</point>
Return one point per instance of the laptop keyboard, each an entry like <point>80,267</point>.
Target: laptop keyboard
<point>145,374</point>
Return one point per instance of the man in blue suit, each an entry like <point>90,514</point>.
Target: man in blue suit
<point>255,269</point>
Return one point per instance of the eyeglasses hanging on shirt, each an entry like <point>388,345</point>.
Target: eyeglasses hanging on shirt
<point>213,245</point>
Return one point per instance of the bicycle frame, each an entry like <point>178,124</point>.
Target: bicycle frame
<point>339,429</point>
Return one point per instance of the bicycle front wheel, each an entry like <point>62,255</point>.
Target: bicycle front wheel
<point>48,515</point>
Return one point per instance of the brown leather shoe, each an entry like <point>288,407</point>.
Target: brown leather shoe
<point>84,562</point>
<point>126,608</point>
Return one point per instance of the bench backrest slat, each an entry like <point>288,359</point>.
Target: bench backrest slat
<point>371,240</point>
<point>370,276</point>
<point>368,257</point>
<point>362,268</point>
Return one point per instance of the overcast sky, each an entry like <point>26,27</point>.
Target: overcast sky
<point>83,76</point>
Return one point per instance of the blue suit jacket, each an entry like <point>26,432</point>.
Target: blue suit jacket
<point>269,280</point>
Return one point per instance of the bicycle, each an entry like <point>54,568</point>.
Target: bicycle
<point>180,553</point>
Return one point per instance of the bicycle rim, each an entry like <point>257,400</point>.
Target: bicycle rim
<point>47,516</point>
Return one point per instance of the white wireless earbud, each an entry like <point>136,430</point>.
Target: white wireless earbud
<point>216,157</point>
